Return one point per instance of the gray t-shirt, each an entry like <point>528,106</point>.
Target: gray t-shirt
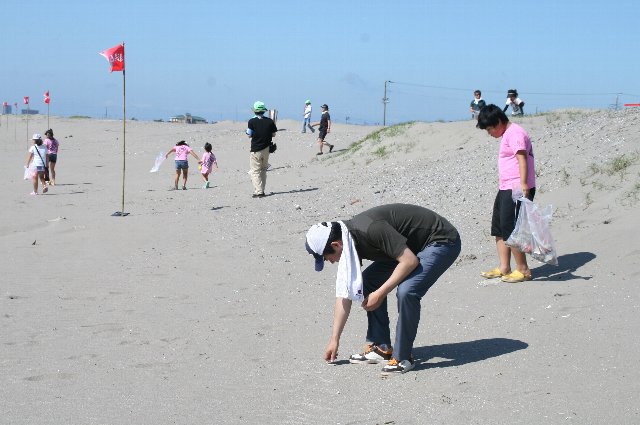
<point>382,233</point>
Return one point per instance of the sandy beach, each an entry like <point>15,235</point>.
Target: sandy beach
<point>202,306</point>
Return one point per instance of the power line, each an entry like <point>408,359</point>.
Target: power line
<point>523,92</point>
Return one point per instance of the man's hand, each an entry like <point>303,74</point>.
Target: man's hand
<point>373,301</point>
<point>331,352</point>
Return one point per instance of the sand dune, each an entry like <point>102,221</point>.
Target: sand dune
<point>202,306</point>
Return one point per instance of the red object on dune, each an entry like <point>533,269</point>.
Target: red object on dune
<point>115,56</point>
<point>47,99</point>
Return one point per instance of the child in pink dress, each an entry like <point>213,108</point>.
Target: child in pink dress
<point>208,160</point>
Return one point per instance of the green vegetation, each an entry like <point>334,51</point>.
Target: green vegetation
<point>377,136</point>
<point>76,117</point>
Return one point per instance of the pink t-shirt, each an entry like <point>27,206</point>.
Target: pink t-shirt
<point>208,158</point>
<point>513,140</point>
<point>182,151</point>
<point>52,145</point>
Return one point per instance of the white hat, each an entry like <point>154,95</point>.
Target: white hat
<point>36,136</point>
<point>317,238</point>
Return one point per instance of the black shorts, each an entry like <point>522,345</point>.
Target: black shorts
<point>53,157</point>
<point>322,134</point>
<point>505,213</point>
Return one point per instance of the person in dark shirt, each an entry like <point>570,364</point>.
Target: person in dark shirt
<point>324,127</point>
<point>261,130</point>
<point>411,247</point>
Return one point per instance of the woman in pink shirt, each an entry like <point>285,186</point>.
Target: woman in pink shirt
<point>182,163</point>
<point>516,173</point>
<point>52,153</point>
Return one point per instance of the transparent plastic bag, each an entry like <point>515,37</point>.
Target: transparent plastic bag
<point>531,233</point>
<point>159,160</point>
<point>30,171</point>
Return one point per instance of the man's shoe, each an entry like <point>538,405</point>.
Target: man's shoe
<point>372,354</point>
<point>258,195</point>
<point>330,148</point>
<point>394,366</point>
<point>319,153</point>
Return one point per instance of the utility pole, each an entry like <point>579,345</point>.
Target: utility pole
<point>385,100</point>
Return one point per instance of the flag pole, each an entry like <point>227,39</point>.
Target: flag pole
<point>27,125</point>
<point>48,110</point>
<point>124,132</point>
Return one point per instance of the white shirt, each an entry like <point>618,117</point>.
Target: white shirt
<point>37,161</point>
<point>307,111</point>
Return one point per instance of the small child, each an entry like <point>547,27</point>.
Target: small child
<point>208,160</point>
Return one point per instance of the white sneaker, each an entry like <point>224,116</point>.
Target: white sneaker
<point>372,354</point>
<point>394,366</point>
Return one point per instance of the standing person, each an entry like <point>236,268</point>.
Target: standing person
<point>261,130</point>
<point>182,149</point>
<point>208,160</point>
<point>411,247</point>
<point>476,104</point>
<point>307,117</point>
<point>52,154</point>
<point>324,128</point>
<point>38,154</point>
<point>517,104</point>
<point>516,171</point>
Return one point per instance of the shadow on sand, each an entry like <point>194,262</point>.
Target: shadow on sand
<point>568,264</point>
<point>460,353</point>
<point>293,191</point>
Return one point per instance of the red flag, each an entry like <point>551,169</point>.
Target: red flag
<point>26,100</point>
<point>115,56</point>
<point>47,99</point>
<point>5,104</point>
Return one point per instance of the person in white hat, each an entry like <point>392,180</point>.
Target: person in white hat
<point>38,154</point>
<point>307,117</point>
<point>411,247</point>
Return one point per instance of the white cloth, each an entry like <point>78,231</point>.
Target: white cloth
<point>349,277</point>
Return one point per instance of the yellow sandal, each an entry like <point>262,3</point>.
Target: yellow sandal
<point>492,274</point>
<point>515,277</point>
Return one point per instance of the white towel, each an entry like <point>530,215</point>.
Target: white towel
<point>349,277</point>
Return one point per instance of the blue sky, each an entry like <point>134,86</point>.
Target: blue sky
<point>215,58</point>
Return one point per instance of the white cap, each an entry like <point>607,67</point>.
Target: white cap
<point>317,238</point>
<point>36,136</point>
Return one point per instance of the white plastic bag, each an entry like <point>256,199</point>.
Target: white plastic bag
<point>30,171</point>
<point>531,233</point>
<point>159,160</point>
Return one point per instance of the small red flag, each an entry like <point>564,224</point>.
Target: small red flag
<point>47,99</point>
<point>115,56</point>
<point>5,104</point>
<point>26,100</point>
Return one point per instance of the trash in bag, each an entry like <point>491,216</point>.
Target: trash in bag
<point>30,171</point>
<point>531,233</point>
<point>159,160</point>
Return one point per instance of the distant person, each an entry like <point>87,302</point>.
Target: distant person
<point>410,248</point>
<point>516,172</point>
<point>517,104</point>
<point>52,154</point>
<point>208,160</point>
<point>307,117</point>
<point>182,149</point>
<point>261,130</point>
<point>38,154</point>
<point>476,104</point>
<point>324,127</point>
